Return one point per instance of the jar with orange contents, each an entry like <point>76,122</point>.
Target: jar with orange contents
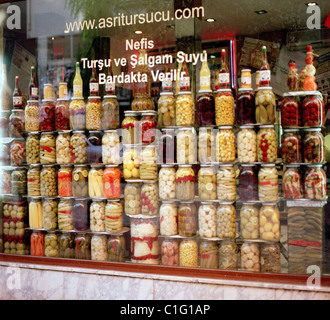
<point>65,181</point>
<point>111,180</point>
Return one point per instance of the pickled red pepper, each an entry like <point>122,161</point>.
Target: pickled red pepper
<point>148,128</point>
<point>290,112</point>
<point>291,147</point>
<point>292,184</point>
<point>65,183</point>
<point>47,116</point>
<point>112,185</point>
<point>37,244</point>
<point>313,111</point>
<point>62,115</point>
<point>314,148</point>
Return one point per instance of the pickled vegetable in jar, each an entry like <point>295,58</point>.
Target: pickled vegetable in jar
<point>245,110</point>
<point>315,183</point>
<point>250,256</point>
<point>290,111</point>
<point>225,145</point>
<point>170,252</point>
<point>267,144</point>
<point>268,183</point>
<point>226,221</point>
<point>80,215</point>
<point>184,109</point>
<point>47,115</point>
<point>186,146</point>
<point>80,181</point>
<point>77,114</point>
<point>5,182</point>
<point>132,198</point>
<point>188,253</point>
<point>112,182</point>
<point>65,219</point>
<point>94,147</point>
<point>130,128</point>
<point>32,116</point>
<point>131,162</point>
<point>33,148</point>
<point>95,182</point>
<point>48,181</point>
<point>63,150</point>
<point>167,143</point>
<point>35,213</point>
<point>224,108</point>
<point>270,257</point>
<point>149,198</point>
<point>148,127</point>
<point>16,123</point>
<point>17,152</point>
<point>208,255</point>
<point>167,182</point>
<point>47,148</point>
<point>291,146</point>
<point>82,246</point>
<point>228,255</point>
<point>246,145</point>
<point>52,246</point>
<point>97,216</point>
<point>4,124</point>
<point>166,109</point>
<point>93,113</point>
<point>265,106</point>
<point>187,219</point>
<point>110,113</point>
<point>49,214</point>
<point>269,219</point>
<point>78,145</point>
<point>99,248</point>
<point>207,220</point>
<point>116,249</point>
<point>207,182</point>
<point>5,154</point>
<point>313,111</point>
<point>206,145</point>
<point>292,182</point>
<point>168,215</point>
<point>66,241</point>
<point>19,181</point>
<point>314,147</point>
<point>248,183</point>
<point>226,183</point>
<point>185,183</point>
<point>33,181</point>
<point>65,181</point>
<point>205,106</point>
<point>114,216</point>
<point>142,101</point>
<point>249,222</point>
<point>37,246</point>
<point>110,147</point>
<point>149,167</point>
<point>62,114</point>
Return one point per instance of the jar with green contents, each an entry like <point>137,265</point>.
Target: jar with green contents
<point>66,241</point>
<point>207,182</point>
<point>49,213</point>
<point>52,246</point>
<point>19,181</point>
<point>132,198</point>
<point>78,145</point>
<point>48,181</point>
<point>77,114</point>
<point>82,246</point>
<point>80,181</point>
<point>110,113</point>
<point>117,249</point>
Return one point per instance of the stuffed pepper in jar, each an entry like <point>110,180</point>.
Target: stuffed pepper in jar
<point>47,115</point>
<point>148,127</point>
<point>292,182</point>
<point>112,182</point>
<point>130,128</point>
<point>290,111</point>
<point>313,111</point>
<point>315,183</point>
<point>62,114</point>
<point>82,246</point>
<point>314,147</point>
<point>291,146</point>
<point>267,144</point>
<point>117,249</point>
<point>37,244</point>
<point>149,198</point>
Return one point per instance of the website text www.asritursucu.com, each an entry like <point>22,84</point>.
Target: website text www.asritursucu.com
<point>134,19</point>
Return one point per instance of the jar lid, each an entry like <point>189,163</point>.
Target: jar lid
<point>110,131</point>
<point>64,132</point>
<point>267,126</point>
<point>246,70</point>
<point>130,112</point>
<point>186,128</point>
<point>111,165</point>
<point>33,165</point>
<point>93,97</point>
<point>47,100</point>
<point>168,93</point>
<point>184,165</point>
<point>292,165</point>
<point>112,200</point>
<point>267,164</point>
<point>226,164</point>
<point>248,204</point>
<point>78,131</point>
<point>269,203</point>
<point>96,165</point>
<point>80,165</point>
<point>245,89</point>
<point>312,129</point>
<point>110,97</point>
<point>315,165</point>
<point>264,88</point>
<point>66,165</point>
<point>48,165</point>
<point>225,127</point>
<point>184,92</point>
<point>95,131</point>
<point>31,101</point>
<point>312,93</point>
<point>77,98</point>
<point>61,83</point>
<point>167,165</point>
<point>227,202</point>
<point>208,202</point>
<point>168,201</point>
<point>248,164</point>
<point>63,99</point>
<point>33,133</point>
<point>291,130</point>
<point>246,127</point>
<point>223,90</point>
<point>14,110</point>
<point>205,91</point>
<point>149,181</point>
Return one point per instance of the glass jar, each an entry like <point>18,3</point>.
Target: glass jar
<point>268,183</point>
<point>37,244</point>
<point>246,145</point>
<point>97,216</point>
<point>16,123</point>
<point>291,146</point>
<point>168,215</point>
<point>93,113</point>
<point>5,181</point>
<point>265,106</point>
<point>33,181</point>
<point>207,220</point>
<point>167,143</point>
<point>245,110</point>
<point>224,108</point>
<point>112,182</point>
<point>19,181</point>
<point>167,182</point>
<point>48,181</point>
<point>4,123</point>
<point>314,147</point>
<point>228,255</point>
<point>187,219</point>
<point>148,127</point>
<point>206,145</point>
<point>66,241</point>
<point>149,198</point>
<point>32,116</point>
<point>52,246</point>
<point>110,113</point>
<point>80,215</point>
<point>185,182</point>
<point>144,241</point>
<point>269,219</point>
<point>80,181</point>
<point>184,109</point>
<point>33,148</point>
<point>205,106</point>
<point>111,147</point>
<point>131,162</point>
<point>170,252</point>
<point>63,150</point>
<point>114,216</point>
<point>35,213</point>
<point>94,147</point>
<point>249,222</point>
<point>95,182</point>
<point>292,183</point>
<point>47,148</point>
<point>64,178</point>
<point>267,144</point>
<point>17,152</point>
<point>148,167</point>
<point>77,114</point>
<point>65,209</point>
<point>132,198</point>
<point>47,115</point>
<point>62,114</point>
<point>250,257</point>
<point>315,183</point>
<point>226,221</point>
<point>208,255</point>
<point>5,154</point>
<point>207,182</point>
<point>226,183</point>
<point>78,145</point>
<point>313,111</point>
<point>117,249</point>
<point>82,246</point>
<point>99,248</point>
<point>62,90</point>
<point>188,253</point>
<point>166,109</point>
<point>49,213</point>
<point>270,257</point>
<point>290,111</point>
<point>225,145</point>
<point>142,101</point>
<point>130,128</point>
<point>186,145</point>
<point>248,183</point>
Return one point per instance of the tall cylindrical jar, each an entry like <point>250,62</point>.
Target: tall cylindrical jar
<point>184,109</point>
<point>167,182</point>
<point>226,221</point>
<point>245,109</point>
<point>207,220</point>
<point>110,113</point>
<point>166,110</point>
<point>93,113</point>
<point>207,182</point>
<point>268,189</point>
<point>168,215</point>
<point>97,216</point>
<point>269,217</point>
<point>225,145</point>
<point>77,114</point>
<point>224,108</point>
<point>267,144</point>
<point>114,216</point>
<point>226,183</point>
<point>205,106</point>
<point>246,145</point>
<point>47,148</point>
<point>185,183</point>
